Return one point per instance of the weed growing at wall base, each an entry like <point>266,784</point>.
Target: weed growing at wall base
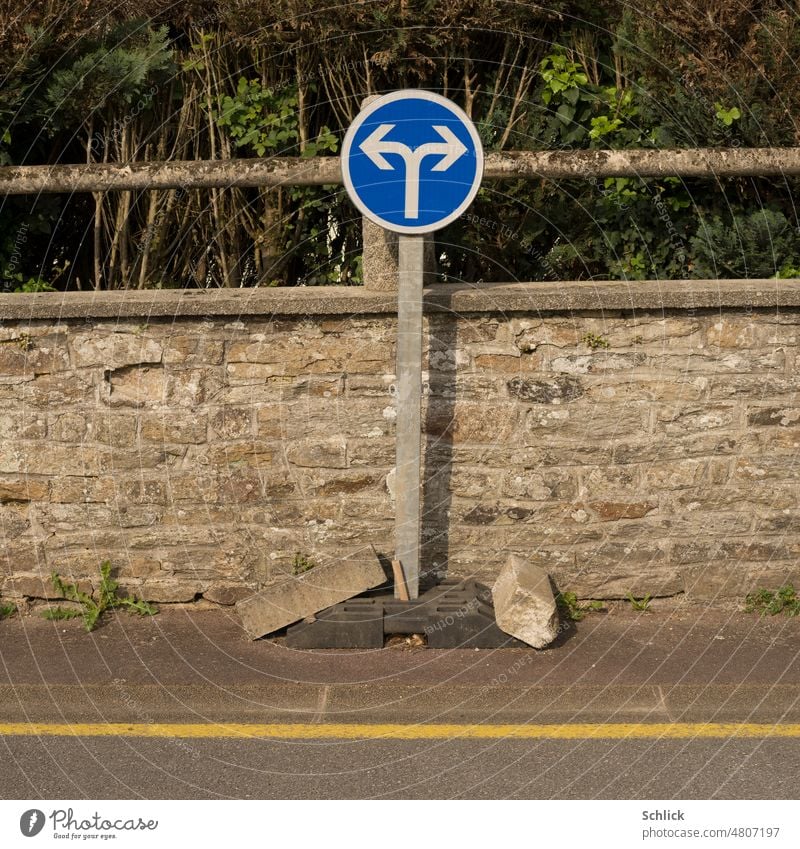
<point>640,604</point>
<point>92,611</point>
<point>572,609</point>
<point>767,602</point>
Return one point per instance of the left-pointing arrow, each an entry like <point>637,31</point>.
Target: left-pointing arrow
<point>374,146</point>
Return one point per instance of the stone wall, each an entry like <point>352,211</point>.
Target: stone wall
<point>201,443</point>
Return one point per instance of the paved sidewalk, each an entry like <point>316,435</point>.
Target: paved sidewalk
<point>187,665</point>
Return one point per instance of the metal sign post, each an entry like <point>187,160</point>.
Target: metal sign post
<point>408,481</point>
<point>412,162</point>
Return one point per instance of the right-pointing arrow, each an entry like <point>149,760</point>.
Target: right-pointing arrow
<point>454,148</point>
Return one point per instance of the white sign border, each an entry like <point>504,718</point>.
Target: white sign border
<point>407,94</point>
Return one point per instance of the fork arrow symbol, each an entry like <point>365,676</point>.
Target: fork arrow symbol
<point>451,149</point>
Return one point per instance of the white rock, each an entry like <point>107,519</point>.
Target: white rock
<point>524,604</point>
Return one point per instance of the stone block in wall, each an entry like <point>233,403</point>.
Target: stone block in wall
<point>595,363</point>
<point>474,421</point>
<point>616,582</point>
<point>344,482</point>
<point>114,350</point>
<point>647,332</point>
<point>253,454</point>
<point>166,592</point>
<point>762,388</point>
<point>739,495</point>
<point>37,458</point>
<point>290,420</point>
<point>686,419</point>
<point>67,427</point>
<point>136,567</point>
<point>764,468</point>
<point>472,481</point>
<point>110,428</point>
<point>193,349</point>
<point>613,511</point>
<point>610,480</point>
<point>23,425</point>
<point>142,491</point>
<point>508,365</point>
<point>135,386</point>
<point>720,582</point>
<point>773,417</point>
<point>321,386</point>
<point>50,391</point>
<point>677,474</point>
<point>194,486</point>
<point>777,441</point>
<point>313,453</point>
<point>23,489</point>
<point>190,387</point>
<point>73,489</point>
<point>231,423</point>
<point>643,387</point>
<point>371,385</point>
<point>242,486</point>
<point>15,520</point>
<point>290,356</point>
<point>710,549</point>
<point>24,554</point>
<point>226,594</point>
<point>167,427</point>
<point>199,565</point>
<point>558,389</point>
<point>624,555</point>
<point>538,484</point>
<point>26,356</point>
<point>375,451</point>
<point>26,585</point>
<point>736,332</point>
<point>146,457</point>
<point>245,372</point>
<point>711,363</point>
<point>543,423</point>
<point>627,449</point>
<point>497,513</point>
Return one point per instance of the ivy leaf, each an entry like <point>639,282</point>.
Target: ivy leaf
<point>565,114</point>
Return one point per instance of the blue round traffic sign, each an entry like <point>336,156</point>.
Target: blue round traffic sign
<point>412,161</point>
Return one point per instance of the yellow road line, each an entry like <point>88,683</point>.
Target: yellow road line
<point>341,731</point>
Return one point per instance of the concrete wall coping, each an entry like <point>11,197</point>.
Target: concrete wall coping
<point>568,296</point>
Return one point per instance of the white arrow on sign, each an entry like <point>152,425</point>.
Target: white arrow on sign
<point>451,150</point>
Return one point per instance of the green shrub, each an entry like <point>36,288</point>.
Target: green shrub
<point>758,244</point>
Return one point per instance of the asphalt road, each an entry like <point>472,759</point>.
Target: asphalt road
<point>188,668</point>
<point>129,768</point>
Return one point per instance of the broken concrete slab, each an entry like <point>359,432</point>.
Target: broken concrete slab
<point>304,595</point>
<point>524,604</point>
